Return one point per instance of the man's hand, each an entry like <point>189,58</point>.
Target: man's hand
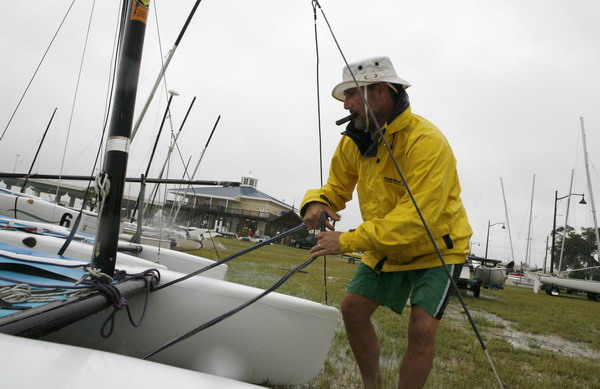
<point>328,242</point>
<point>312,216</point>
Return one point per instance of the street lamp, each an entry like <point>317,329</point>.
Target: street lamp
<point>556,198</point>
<point>487,240</point>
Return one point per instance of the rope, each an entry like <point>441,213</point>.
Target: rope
<point>314,6</point>
<point>416,206</point>
<point>23,293</point>
<point>102,189</point>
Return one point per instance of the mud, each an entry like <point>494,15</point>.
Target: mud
<point>527,341</point>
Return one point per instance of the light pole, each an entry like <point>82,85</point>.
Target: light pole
<point>487,240</point>
<point>552,249</point>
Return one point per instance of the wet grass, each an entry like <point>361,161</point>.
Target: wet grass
<point>533,340</point>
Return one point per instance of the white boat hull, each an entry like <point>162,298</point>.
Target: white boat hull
<point>570,283</point>
<point>280,339</point>
<point>28,363</point>
<point>493,276</point>
<point>149,256</point>
<point>27,207</point>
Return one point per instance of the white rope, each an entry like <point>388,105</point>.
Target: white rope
<point>102,184</point>
<point>23,293</point>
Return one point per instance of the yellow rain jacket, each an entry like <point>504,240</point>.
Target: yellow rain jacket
<point>392,235</point>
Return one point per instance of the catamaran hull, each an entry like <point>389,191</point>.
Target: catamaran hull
<point>140,255</point>
<point>570,283</point>
<point>32,208</point>
<point>280,339</point>
<point>28,363</point>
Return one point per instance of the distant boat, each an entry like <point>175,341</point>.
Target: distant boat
<point>524,279</point>
<point>490,271</point>
<point>554,283</point>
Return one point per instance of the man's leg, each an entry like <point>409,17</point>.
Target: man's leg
<point>357,311</point>
<point>418,359</point>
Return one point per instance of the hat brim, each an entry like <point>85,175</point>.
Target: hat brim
<point>338,90</point>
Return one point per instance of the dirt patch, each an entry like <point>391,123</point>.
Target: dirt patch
<point>526,341</point>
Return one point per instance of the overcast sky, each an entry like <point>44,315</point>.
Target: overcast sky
<point>505,81</point>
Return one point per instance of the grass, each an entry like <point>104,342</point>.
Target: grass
<point>534,340</point>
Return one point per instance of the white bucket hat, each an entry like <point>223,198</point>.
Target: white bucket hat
<point>367,71</point>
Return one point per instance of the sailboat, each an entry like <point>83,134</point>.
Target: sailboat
<point>278,339</point>
<point>552,282</point>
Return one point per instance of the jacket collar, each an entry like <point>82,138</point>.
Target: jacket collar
<point>367,142</point>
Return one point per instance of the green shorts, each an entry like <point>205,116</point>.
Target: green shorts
<point>429,288</point>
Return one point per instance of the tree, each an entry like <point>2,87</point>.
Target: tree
<point>579,251</point>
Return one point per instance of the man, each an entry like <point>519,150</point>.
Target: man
<point>399,258</point>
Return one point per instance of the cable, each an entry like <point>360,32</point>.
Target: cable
<point>212,265</point>
<point>224,316</point>
<point>314,6</point>
<point>36,70</point>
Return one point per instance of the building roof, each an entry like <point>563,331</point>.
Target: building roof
<point>235,193</point>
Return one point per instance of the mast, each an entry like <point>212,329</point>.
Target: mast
<point>119,136</point>
<point>562,246</point>
<point>196,168</point>
<point>164,68</point>
<point>527,259</point>
<point>589,181</point>
<point>512,251</point>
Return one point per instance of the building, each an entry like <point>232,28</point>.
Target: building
<point>242,209</point>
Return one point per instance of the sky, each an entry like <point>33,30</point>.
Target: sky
<point>506,82</point>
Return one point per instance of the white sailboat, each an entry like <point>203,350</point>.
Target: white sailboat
<point>554,283</point>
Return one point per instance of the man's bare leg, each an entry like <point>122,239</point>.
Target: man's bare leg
<point>357,311</point>
<point>418,359</point>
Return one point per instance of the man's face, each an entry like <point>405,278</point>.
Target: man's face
<point>354,103</point>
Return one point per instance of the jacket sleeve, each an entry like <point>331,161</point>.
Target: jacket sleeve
<point>430,170</point>
<point>341,182</point>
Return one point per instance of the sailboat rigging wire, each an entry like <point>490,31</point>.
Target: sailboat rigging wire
<point>314,6</point>
<point>185,171</point>
<point>139,200</point>
<point>36,70</point>
<point>232,312</point>
<point>38,151</point>
<point>246,251</point>
<point>170,151</point>
<point>112,77</point>
<point>371,114</point>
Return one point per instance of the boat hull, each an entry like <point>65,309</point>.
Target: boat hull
<point>57,366</point>
<point>570,283</point>
<point>280,339</point>
<point>491,276</point>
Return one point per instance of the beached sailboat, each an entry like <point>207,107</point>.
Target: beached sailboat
<point>553,283</point>
<point>278,339</point>
<point>490,271</point>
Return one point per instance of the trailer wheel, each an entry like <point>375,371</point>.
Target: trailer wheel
<point>593,296</point>
<point>351,260</point>
<point>554,291</point>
